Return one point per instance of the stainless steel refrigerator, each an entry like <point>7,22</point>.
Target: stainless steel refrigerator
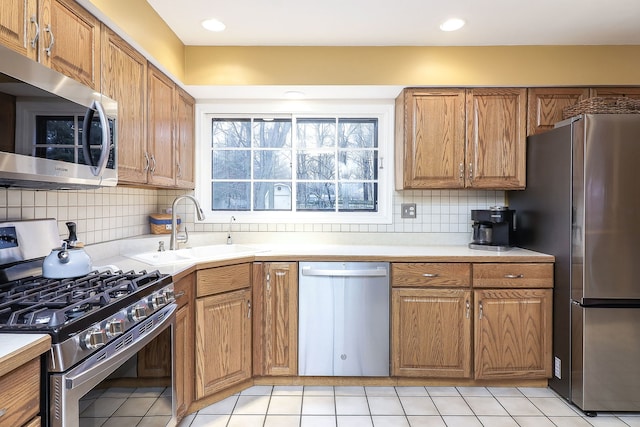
<point>582,204</point>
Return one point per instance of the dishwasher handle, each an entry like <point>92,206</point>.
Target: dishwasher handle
<point>377,272</point>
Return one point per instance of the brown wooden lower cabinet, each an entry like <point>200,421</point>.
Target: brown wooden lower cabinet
<point>513,333</point>
<point>431,333</point>
<point>20,395</point>
<point>223,341</point>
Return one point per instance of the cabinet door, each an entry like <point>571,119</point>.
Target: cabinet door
<point>16,29</point>
<point>431,333</point>
<point>185,140</point>
<point>160,129</point>
<point>280,317</point>
<point>430,138</point>
<point>184,359</point>
<point>545,106</point>
<point>223,341</point>
<point>152,360</point>
<point>70,42</point>
<point>513,333</point>
<point>124,79</point>
<point>631,91</point>
<point>496,138</point>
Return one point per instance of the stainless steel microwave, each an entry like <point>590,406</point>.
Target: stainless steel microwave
<point>55,133</point>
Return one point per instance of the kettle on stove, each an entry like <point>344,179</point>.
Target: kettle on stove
<point>69,260</point>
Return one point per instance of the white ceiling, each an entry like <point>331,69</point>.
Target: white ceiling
<point>403,22</point>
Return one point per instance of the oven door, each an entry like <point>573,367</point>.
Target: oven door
<point>80,393</point>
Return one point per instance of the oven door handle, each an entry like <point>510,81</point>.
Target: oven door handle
<point>82,374</point>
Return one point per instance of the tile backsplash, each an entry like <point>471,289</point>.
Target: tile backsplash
<point>114,213</point>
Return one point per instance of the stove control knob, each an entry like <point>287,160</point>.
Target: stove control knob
<point>170,295</point>
<point>115,327</point>
<point>94,339</point>
<point>138,312</point>
<point>157,300</point>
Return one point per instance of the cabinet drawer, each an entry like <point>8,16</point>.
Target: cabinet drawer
<point>23,402</point>
<point>223,279</point>
<point>430,274</point>
<point>184,289</point>
<point>513,275</point>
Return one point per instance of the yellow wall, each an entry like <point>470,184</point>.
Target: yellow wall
<point>142,24</point>
<point>405,66</point>
<point>409,66</point>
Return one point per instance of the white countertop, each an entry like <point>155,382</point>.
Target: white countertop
<point>16,349</point>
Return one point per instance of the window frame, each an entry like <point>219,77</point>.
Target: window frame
<point>382,110</point>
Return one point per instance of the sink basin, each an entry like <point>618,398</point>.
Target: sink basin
<point>161,258</point>
<point>199,253</point>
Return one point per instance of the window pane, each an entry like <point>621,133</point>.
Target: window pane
<point>231,133</point>
<point>233,196</point>
<point>359,165</point>
<point>359,196</point>
<point>358,133</point>
<point>230,164</point>
<point>272,196</point>
<point>316,196</point>
<point>55,130</point>
<point>316,133</point>
<point>316,166</point>
<point>56,153</point>
<point>272,133</point>
<point>271,164</point>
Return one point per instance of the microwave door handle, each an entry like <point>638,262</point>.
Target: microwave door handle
<point>98,169</point>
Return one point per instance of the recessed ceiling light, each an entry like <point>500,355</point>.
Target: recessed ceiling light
<point>213,25</point>
<point>294,94</point>
<point>452,24</point>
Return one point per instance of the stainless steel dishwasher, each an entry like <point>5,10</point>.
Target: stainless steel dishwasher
<point>343,311</point>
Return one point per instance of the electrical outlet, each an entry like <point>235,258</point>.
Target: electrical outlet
<point>556,368</point>
<point>408,210</point>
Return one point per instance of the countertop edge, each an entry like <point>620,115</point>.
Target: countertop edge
<point>41,343</point>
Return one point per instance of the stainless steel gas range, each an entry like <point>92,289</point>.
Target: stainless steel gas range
<point>97,323</point>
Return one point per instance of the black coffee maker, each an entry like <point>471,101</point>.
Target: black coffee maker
<point>493,228</point>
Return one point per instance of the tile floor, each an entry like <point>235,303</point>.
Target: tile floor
<point>314,406</point>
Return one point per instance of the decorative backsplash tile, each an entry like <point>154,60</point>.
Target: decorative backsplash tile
<point>115,213</point>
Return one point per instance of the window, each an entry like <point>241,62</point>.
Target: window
<point>298,167</point>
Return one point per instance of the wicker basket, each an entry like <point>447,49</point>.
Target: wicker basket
<point>161,223</point>
<point>603,105</point>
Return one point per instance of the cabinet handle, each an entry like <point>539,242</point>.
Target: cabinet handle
<point>480,310</point>
<point>248,309</point>
<point>179,170</point>
<point>268,282</point>
<point>147,162</point>
<point>179,295</point>
<point>461,169</point>
<point>470,171</point>
<point>34,21</point>
<point>53,40</point>
<point>153,168</point>
<point>513,276</point>
<point>467,308</point>
<point>430,275</point>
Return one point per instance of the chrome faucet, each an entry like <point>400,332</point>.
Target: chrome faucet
<point>229,241</point>
<point>175,239</point>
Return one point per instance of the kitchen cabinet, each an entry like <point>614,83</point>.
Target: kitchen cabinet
<point>68,39</point>
<point>184,342</point>
<point>443,144</point>
<point>512,329</point>
<point>496,138</point>
<point>124,79</point>
<point>223,328</point>
<point>185,140</point>
<point>21,406</point>
<point>545,106</point>
<point>431,320</point>
<point>160,128</point>
<point>430,135</point>
<point>276,319</point>
<point>629,91</point>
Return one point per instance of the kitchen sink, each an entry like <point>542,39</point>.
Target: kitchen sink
<point>195,254</point>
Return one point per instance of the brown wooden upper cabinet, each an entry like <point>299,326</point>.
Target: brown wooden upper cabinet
<point>461,138</point>
<point>545,106</point>
<point>58,33</point>
<point>630,92</point>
